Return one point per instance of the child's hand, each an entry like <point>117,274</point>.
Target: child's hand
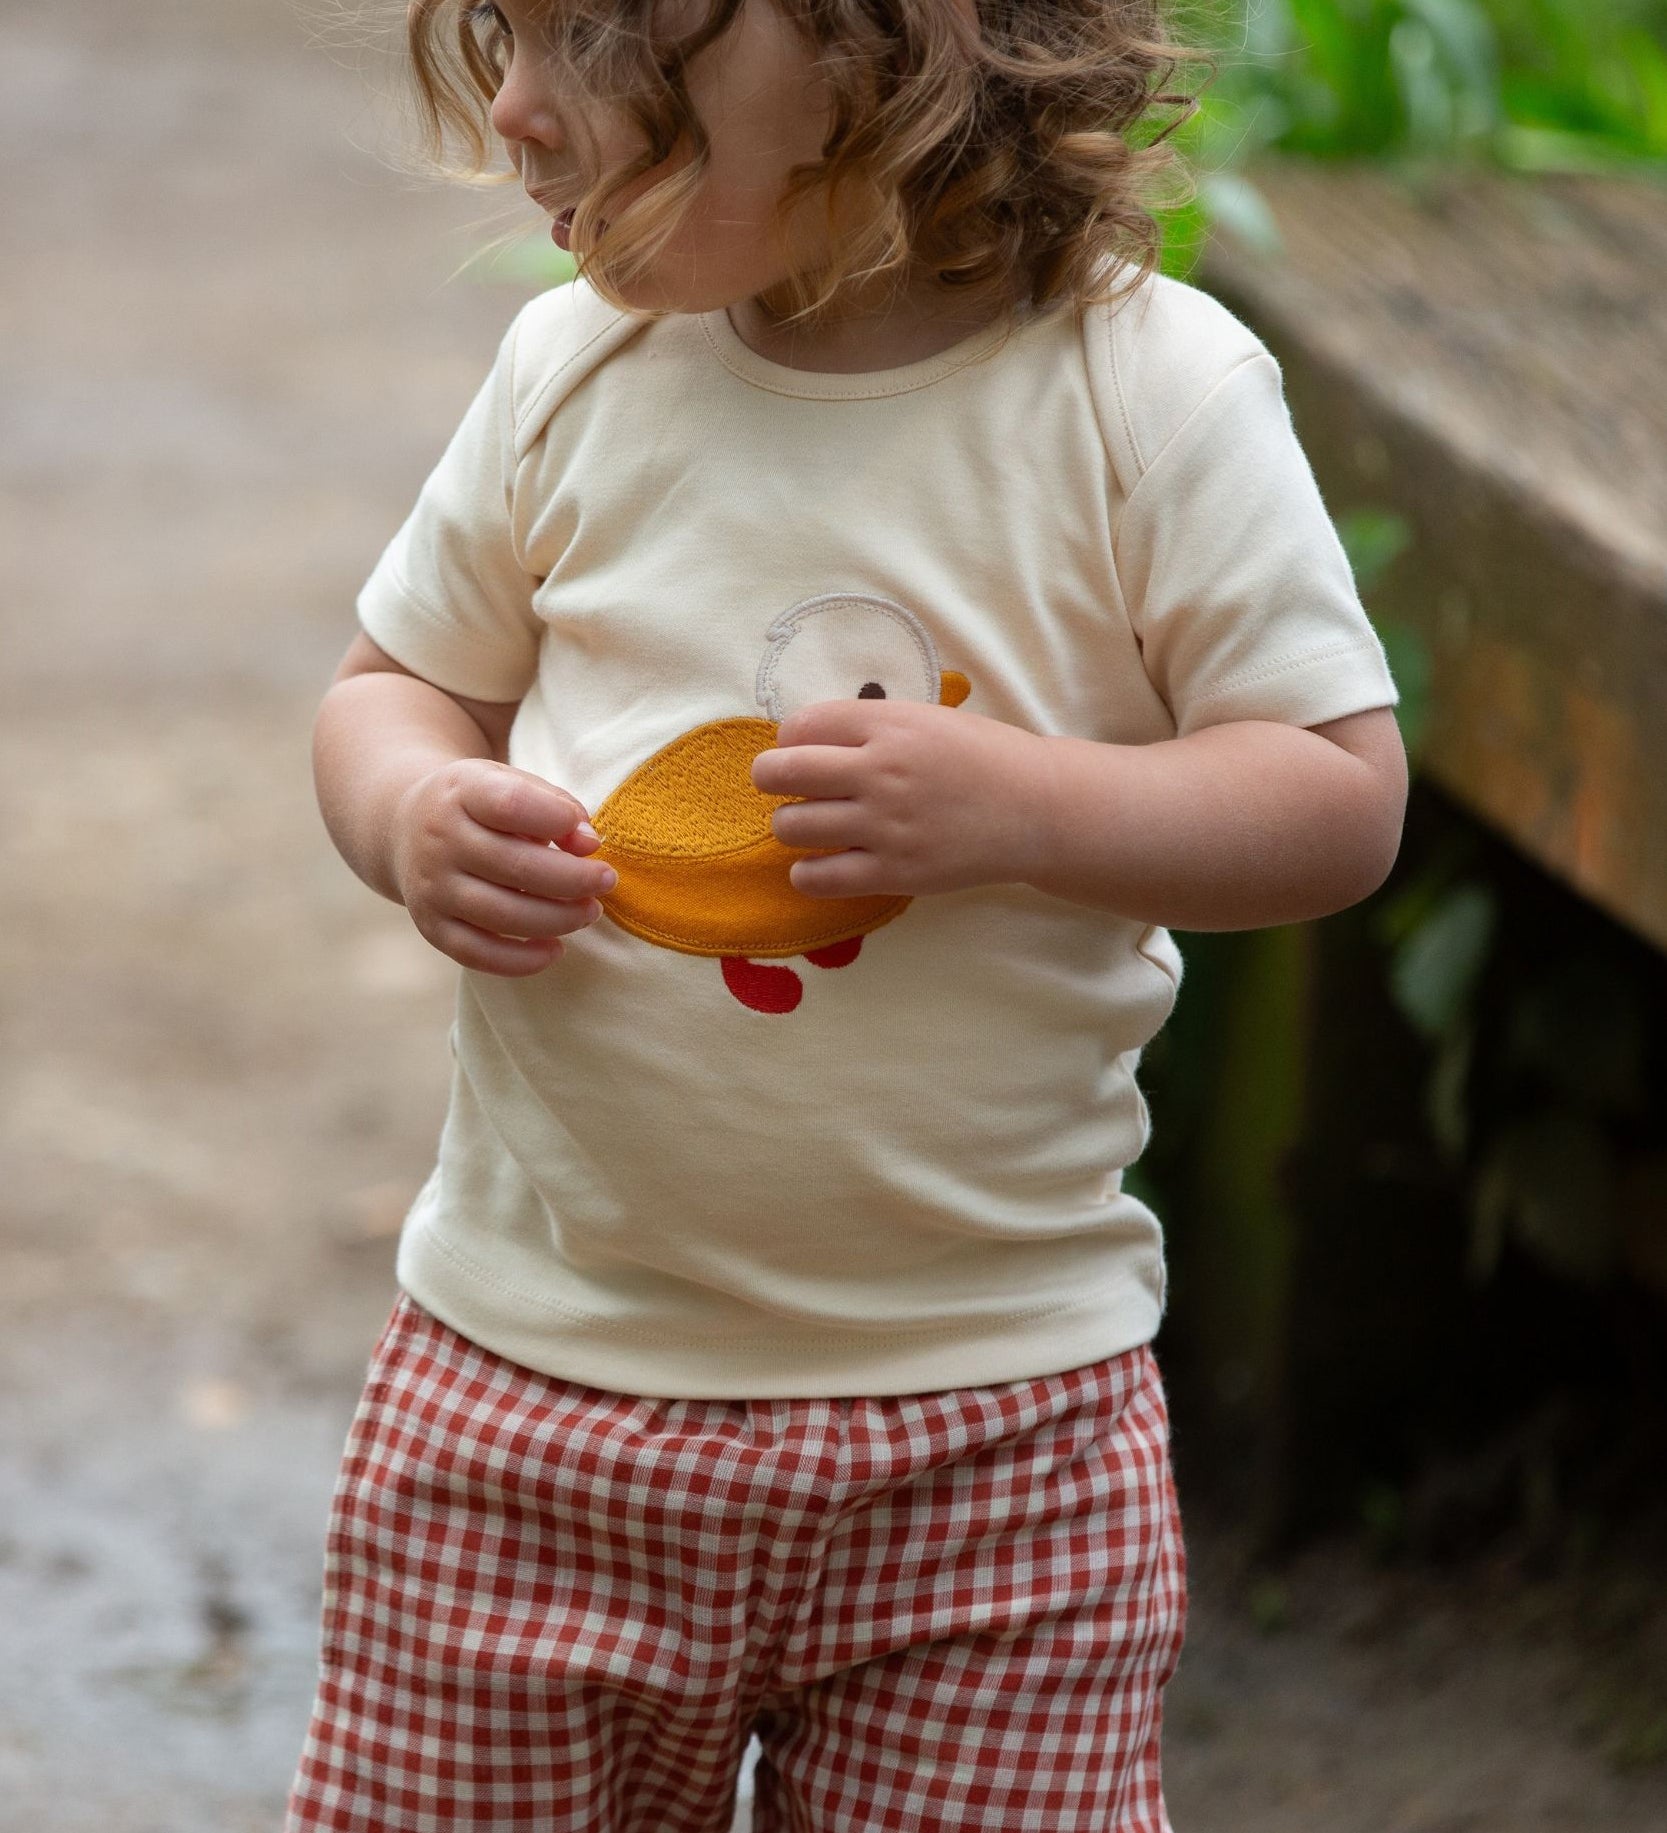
<point>928,798</point>
<point>473,860</point>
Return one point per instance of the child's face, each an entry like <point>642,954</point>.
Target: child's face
<point>757,93</point>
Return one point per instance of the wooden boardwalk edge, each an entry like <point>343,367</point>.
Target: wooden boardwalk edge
<point>1547,640</point>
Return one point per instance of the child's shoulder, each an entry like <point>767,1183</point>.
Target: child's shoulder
<point>556,340</point>
<point>1154,356</point>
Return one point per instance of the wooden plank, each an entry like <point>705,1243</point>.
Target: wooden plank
<point>1488,358</point>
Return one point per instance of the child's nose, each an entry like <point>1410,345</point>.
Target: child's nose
<point>522,111</point>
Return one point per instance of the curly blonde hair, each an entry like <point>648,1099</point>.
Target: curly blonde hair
<point>998,154</point>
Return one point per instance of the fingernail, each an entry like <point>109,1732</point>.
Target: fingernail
<point>609,878</point>
<point>585,827</point>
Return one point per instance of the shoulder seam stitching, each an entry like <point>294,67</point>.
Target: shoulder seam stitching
<point>524,415</point>
<point>1197,408</point>
<point>1123,401</point>
<point>1203,401</point>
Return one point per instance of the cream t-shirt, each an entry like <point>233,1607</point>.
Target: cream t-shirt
<point>742,1142</point>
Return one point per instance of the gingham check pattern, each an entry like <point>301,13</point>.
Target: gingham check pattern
<point>552,1607</point>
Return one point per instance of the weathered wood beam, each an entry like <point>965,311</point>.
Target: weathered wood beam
<point>1488,358</point>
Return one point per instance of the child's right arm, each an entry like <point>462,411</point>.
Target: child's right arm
<point>418,800</point>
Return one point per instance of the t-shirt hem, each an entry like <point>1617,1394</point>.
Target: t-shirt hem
<point>555,1340</point>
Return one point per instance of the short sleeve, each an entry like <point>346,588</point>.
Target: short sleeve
<point>1241,597</point>
<point>449,597</point>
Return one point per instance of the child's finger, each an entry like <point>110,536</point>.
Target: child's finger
<point>582,841</point>
<point>494,954</point>
<point>820,826</point>
<point>837,722</point>
<point>533,867</point>
<point>852,873</point>
<point>514,802</point>
<point>806,770</point>
<point>503,912</point>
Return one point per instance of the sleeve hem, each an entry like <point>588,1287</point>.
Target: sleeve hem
<point>1303,690</point>
<point>429,644</point>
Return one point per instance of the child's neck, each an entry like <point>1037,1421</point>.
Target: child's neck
<point>863,334</point>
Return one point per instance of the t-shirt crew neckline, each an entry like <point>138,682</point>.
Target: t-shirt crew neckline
<point>739,357</point>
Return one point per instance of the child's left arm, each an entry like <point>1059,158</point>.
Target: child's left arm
<point>1232,826</point>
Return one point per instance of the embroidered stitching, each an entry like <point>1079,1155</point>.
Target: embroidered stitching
<point>694,797</point>
<point>788,622</point>
<point>896,907</point>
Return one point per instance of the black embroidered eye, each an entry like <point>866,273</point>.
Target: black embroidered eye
<point>871,690</point>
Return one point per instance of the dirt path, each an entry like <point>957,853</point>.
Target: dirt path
<point>230,353</point>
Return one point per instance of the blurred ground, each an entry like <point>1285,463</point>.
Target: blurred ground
<point>230,354</point>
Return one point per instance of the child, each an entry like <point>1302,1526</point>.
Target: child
<point>850,623</point>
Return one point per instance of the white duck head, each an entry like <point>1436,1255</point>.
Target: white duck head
<point>851,646</point>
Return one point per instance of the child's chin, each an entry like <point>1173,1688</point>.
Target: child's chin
<point>663,287</point>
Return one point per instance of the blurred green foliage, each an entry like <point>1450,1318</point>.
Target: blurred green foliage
<point>1541,1028</point>
<point>1524,85</point>
<point>1530,83</point>
<point>1539,1092</point>
<point>1540,1089</point>
<point>1527,85</point>
<point>1374,539</point>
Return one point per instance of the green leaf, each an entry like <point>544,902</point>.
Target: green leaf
<point>1463,38</point>
<point>1186,227</point>
<point>1408,655</point>
<point>1373,539</point>
<point>1425,95</point>
<point>1235,204</point>
<point>1434,971</point>
<point>1445,1094</point>
<point>1539,85</point>
<point>1549,149</point>
<point>1398,914</point>
<point>1646,64</point>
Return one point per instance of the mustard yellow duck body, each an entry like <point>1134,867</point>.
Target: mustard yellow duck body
<point>700,868</point>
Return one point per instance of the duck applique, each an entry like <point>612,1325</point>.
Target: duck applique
<point>700,868</point>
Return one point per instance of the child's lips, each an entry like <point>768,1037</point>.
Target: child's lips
<point>561,229</point>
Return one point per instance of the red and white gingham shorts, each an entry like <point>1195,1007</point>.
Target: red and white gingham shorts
<point>552,1607</point>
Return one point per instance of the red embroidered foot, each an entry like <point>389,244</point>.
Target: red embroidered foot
<point>836,954</point>
<point>760,986</point>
